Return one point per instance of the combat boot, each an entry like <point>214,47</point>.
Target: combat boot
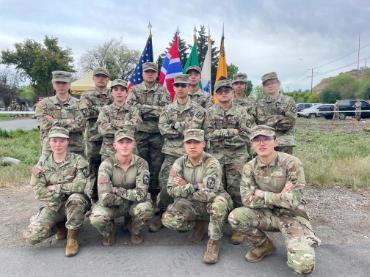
<point>72,243</point>
<point>259,252</point>
<point>111,239</point>
<point>61,231</point>
<point>156,224</point>
<point>136,239</point>
<point>237,237</point>
<point>199,231</point>
<point>211,254</point>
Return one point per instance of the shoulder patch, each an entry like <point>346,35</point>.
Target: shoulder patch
<point>199,114</point>
<point>146,178</point>
<point>211,182</point>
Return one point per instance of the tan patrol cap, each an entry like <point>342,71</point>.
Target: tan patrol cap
<point>269,76</point>
<point>195,68</point>
<point>101,71</point>
<point>125,132</point>
<point>223,83</point>
<point>181,79</point>
<point>61,76</point>
<point>58,132</point>
<point>119,82</point>
<point>195,134</point>
<point>150,66</point>
<point>262,130</point>
<point>240,77</point>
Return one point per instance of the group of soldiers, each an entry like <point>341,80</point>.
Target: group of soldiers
<point>185,165</point>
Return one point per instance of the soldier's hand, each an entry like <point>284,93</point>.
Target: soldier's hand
<point>114,190</point>
<point>288,187</point>
<point>179,181</point>
<point>49,117</point>
<point>200,185</point>
<point>51,188</point>
<point>236,132</point>
<point>70,120</point>
<point>259,193</point>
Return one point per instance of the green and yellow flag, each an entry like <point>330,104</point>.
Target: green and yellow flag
<point>222,66</point>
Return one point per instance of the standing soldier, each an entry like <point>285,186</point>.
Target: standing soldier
<point>123,190</point>
<point>271,190</point>
<point>336,110</point>
<point>150,98</point>
<point>177,117</point>
<point>61,110</point>
<point>59,182</point>
<point>196,94</point>
<point>358,110</point>
<point>278,111</point>
<point>240,84</point>
<point>196,185</point>
<point>90,104</point>
<point>115,116</point>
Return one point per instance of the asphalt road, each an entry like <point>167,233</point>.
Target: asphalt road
<point>169,253</point>
<point>25,124</point>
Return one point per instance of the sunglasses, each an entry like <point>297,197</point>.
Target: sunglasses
<point>263,139</point>
<point>180,85</point>
<point>223,91</point>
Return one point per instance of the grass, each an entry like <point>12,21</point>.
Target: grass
<point>5,117</point>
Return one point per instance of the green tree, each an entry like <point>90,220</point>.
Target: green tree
<point>183,52</point>
<point>345,85</point>
<point>364,91</point>
<point>114,55</point>
<point>257,93</point>
<point>27,93</point>
<point>328,95</point>
<point>231,70</point>
<point>37,60</point>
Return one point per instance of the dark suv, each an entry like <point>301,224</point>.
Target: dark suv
<point>347,108</point>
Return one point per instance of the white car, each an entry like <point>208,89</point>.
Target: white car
<point>316,110</point>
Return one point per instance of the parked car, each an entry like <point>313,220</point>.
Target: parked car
<point>302,106</point>
<point>317,110</point>
<point>347,108</point>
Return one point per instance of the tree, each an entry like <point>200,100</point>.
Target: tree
<point>183,52</point>
<point>114,55</point>
<point>345,85</point>
<point>233,69</point>
<point>364,92</point>
<point>9,81</point>
<point>258,93</point>
<point>36,61</point>
<point>328,95</point>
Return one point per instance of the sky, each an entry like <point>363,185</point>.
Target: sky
<point>287,36</point>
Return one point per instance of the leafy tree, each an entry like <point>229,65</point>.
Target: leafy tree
<point>364,91</point>
<point>9,81</point>
<point>329,96</point>
<point>231,70</point>
<point>257,93</point>
<point>37,60</point>
<point>114,55</point>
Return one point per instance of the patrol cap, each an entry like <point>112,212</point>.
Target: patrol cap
<point>58,132</point>
<point>262,130</point>
<point>150,66</point>
<point>61,76</point>
<point>223,83</point>
<point>181,79</point>
<point>101,71</point>
<point>195,134</point>
<point>119,82</point>
<point>240,77</point>
<point>195,68</point>
<point>125,132</point>
<point>269,76</point>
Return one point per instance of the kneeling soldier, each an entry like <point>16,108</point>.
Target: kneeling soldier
<point>123,182</point>
<point>271,192</point>
<point>59,181</point>
<point>195,184</point>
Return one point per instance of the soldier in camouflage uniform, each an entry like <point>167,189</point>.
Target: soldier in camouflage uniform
<point>150,98</point>
<point>239,84</point>
<point>115,116</point>
<point>91,103</point>
<point>271,190</point>
<point>196,185</point>
<point>177,117</point>
<point>196,93</point>
<point>59,182</point>
<point>278,111</point>
<point>61,110</point>
<point>123,183</point>
<point>357,107</point>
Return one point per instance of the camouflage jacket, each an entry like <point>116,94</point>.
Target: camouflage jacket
<point>111,119</point>
<point>51,112</point>
<point>91,102</point>
<point>280,114</point>
<point>249,104</point>
<point>272,179</point>
<point>220,126</point>
<point>70,176</point>
<point>202,98</point>
<point>207,171</point>
<point>174,120</point>
<point>150,103</point>
<point>132,185</point>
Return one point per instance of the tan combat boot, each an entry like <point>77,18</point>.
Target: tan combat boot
<point>136,239</point>
<point>258,253</point>
<point>111,239</point>
<point>211,254</point>
<point>156,224</point>
<point>72,243</point>
<point>237,237</point>
<point>199,231</point>
<point>61,231</point>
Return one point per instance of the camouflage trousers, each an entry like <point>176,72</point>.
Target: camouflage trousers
<point>102,218</point>
<point>299,238</point>
<point>285,149</point>
<point>183,214</point>
<point>73,212</point>
<point>163,199</point>
<point>149,146</point>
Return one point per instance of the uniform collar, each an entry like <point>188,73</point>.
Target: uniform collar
<point>145,88</point>
<point>55,100</point>
<point>117,164</point>
<point>273,163</point>
<point>198,92</point>
<point>189,164</point>
<point>186,106</point>
<point>277,99</point>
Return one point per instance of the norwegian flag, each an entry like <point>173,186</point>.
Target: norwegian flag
<point>171,67</point>
<point>146,56</point>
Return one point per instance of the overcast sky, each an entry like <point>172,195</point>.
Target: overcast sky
<point>286,36</point>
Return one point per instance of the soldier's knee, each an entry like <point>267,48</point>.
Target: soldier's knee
<point>143,211</point>
<point>240,217</point>
<point>301,258</point>
<point>36,233</point>
<point>172,221</point>
<point>76,199</point>
<point>99,218</point>
<point>219,209</point>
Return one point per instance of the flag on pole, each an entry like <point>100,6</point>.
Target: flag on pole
<point>207,67</point>
<point>171,67</point>
<point>222,66</point>
<point>193,56</point>
<point>147,56</point>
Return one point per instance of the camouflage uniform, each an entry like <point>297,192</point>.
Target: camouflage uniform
<point>202,98</point>
<point>247,102</point>
<point>172,123</point>
<point>230,149</point>
<point>131,199</point>
<point>358,110</point>
<point>111,119</point>
<point>150,103</point>
<point>69,201</point>
<point>276,212</point>
<point>191,204</point>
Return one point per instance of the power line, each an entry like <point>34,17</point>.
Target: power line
<point>344,66</point>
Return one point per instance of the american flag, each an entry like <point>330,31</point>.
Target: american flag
<point>146,56</point>
<point>171,67</point>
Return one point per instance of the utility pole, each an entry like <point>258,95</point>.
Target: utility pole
<point>358,52</point>
<point>311,78</point>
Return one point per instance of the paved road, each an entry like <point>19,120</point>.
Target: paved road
<point>25,124</point>
<point>169,254</point>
